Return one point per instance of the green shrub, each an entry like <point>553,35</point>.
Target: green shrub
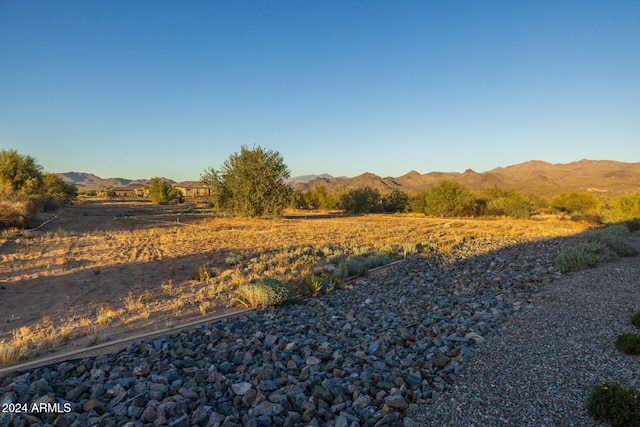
<point>354,267</point>
<point>635,319</point>
<point>575,202</point>
<point>250,183</point>
<point>628,343</point>
<point>615,238</point>
<point>616,230</point>
<point>582,256</point>
<point>233,260</point>
<point>448,198</point>
<point>396,201</point>
<point>506,202</point>
<point>595,248</point>
<point>319,284</point>
<point>613,404</point>
<point>263,293</point>
<point>361,200</point>
<point>161,192</point>
<point>625,209</point>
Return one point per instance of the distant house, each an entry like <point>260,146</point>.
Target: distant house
<point>192,189</point>
<point>132,190</point>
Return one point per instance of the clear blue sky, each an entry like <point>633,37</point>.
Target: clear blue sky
<point>137,89</point>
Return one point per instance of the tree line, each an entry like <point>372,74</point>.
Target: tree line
<point>253,183</point>
<point>26,189</point>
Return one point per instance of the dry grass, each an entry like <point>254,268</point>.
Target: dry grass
<point>137,263</point>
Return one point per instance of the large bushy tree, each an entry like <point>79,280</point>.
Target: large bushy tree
<point>250,183</point>
<point>575,202</point>
<point>361,200</point>
<point>396,201</point>
<point>161,192</point>
<point>20,172</point>
<point>25,188</point>
<point>448,198</point>
<point>497,201</point>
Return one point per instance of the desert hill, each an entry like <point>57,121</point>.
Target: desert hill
<point>533,177</point>
<point>88,181</point>
<point>605,177</point>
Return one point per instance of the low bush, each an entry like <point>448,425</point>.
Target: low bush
<point>635,319</point>
<point>16,209</point>
<point>317,284</point>
<point>613,404</point>
<point>263,293</point>
<point>582,256</point>
<point>625,209</point>
<point>204,273</point>
<point>595,248</point>
<point>628,343</point>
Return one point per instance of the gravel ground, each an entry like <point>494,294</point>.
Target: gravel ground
<point>486,335</point>
<point>539,369</point>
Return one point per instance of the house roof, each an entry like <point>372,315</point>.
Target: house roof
<point>190,184</point>
<point>131,187</point>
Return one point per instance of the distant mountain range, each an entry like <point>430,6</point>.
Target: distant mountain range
<point>88,181</point>
<point>536,177</point>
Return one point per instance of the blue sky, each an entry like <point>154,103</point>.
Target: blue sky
<point>137,89</point>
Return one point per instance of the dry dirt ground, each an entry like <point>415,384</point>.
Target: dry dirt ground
<point>106,269</point>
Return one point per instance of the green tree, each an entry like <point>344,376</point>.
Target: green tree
<point>361,200</point>
<point>448,198</point>
<point>54,188</point>
<point>575,202</point>
<point>20,172</point>
<point>319,198</point>
<point>396,201</point>
<point>250,183</point>
<point>497,201</point>
<point>161,192</point>
<point>624,209</point>
<point>418,202</point>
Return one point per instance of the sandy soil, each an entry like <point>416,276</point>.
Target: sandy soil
<point>79,269</point>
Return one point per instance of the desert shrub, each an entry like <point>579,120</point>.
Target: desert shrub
<point>628,343</point>
<point>21,172</point>
<point>55,189</point>
<point>354,267</point>
<point>613,404</point>
<point>582,256</point>
<point>263,293</point>
<point>361,200</point>
<point>396,201</point>
<point>625,209</point>
<point>319,198</point>
<point>615,238</point>
<point>616,230</point>
<point>16,209</point>
<point>161,192</point>
<point>316,284</point>
<point>250,183</point>
<point>373,261</point>
<point>635,319</point>
<point>496,201</point>
<point>336,259</point>
<point>233,260</point>
<point>601,246</point>
<point>574,202</point>
<point>204,273</point>
<point>418,202</point>
<point>448,198</point>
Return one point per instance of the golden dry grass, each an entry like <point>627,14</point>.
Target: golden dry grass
<point>105,269</point>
